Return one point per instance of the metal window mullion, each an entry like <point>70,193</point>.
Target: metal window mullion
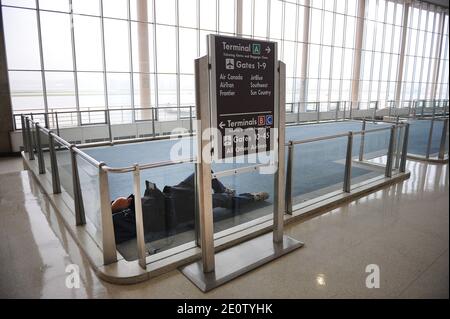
<point>423,53</point>
<point>445,65</point>
<point>155,66</point>
<point>344,38</point>
<point>294,74</point>
<point>41,57</point>
<point>391,54</point>
<point>360,30</point>
<point>198,26</point>
<point>430,62</point>
<point>319,66</point>
<point>405,30</point>
<point>372,58</point>
<point>333,34</point>
<point>283,20</point>
<point>177,63</point>
<point>74,63</point>
<point>268,20</point>
<point>437,56</point>
<point>416,49</point>
<point>105,78</point>
<point>253,19</point>
<point>382,53</point>
<point>362,69</point>
<point>217,15</point>
<point>130,44</point>
<point>305,57</point>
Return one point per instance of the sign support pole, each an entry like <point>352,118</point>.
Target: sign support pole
<point>279,187</point>
<point>204,164</point>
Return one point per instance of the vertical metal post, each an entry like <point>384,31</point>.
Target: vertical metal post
<point>423,108</point>
<point>361,144</point>
<point>39,150</point>
<point>204,164</point>
<point>318,111</point>
<point>350,112</point>
<point>140,234</point>
<point>108,239</point>
<point>289,176</point>
<point>191,127</point>
<point>390,110</point>
<point>348,164</point>
<point>54,164</point>
<point>430,138</point>
<point>80,217</point>
<point>404,148</point>
<point>374,115</point>
<point>338,103</point>
<point>409,108</point>
<point>345,107</point>
<point>30,140</point>
<point>108,120</point>
<point>279,204</point>
<point>153,122</point>
<point>46,120</point>
<point>388,172</point>
<point>24,133</point>
<point>443,140</point>
<point>57,124</point>
<point>398,144</point>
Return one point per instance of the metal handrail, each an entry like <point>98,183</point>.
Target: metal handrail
<point>328,137</point>
<point>128,169</point>
<point>109,248</point>
<point>339,106</point>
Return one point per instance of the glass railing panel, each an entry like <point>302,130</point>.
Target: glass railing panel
<point>241,198</point>
<point>89,179</point>
<point>373,155</point>
<point>318,168</point>
<point>438,126</point>
<point>168,207</point>
<point>419,131</point>
<point>63,158</point>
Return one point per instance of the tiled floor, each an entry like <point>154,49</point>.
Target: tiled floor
<point>404,229</point>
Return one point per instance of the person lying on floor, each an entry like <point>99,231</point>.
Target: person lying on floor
<point>222,197</point>
<point>165,213</point>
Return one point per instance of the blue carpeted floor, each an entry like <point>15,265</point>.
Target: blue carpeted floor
<point>315,164</point>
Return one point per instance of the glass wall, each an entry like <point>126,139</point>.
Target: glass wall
<point>79,54</point>
<point>380,51</point>
<point>423,55</point>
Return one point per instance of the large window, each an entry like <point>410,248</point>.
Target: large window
<point>427,31</point>
<point>380,52</point>
<point>80,54</point>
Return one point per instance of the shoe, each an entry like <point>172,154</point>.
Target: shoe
<point>260,196</point>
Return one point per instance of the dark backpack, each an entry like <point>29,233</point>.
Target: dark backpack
<point>154,209</point>
<point>180,205</point>
<point>153,212</point>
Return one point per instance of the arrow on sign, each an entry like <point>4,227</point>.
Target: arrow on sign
<point>222,125</point>
<point>268,50</point>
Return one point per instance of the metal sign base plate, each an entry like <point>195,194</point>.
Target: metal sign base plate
<point>238,260</point>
